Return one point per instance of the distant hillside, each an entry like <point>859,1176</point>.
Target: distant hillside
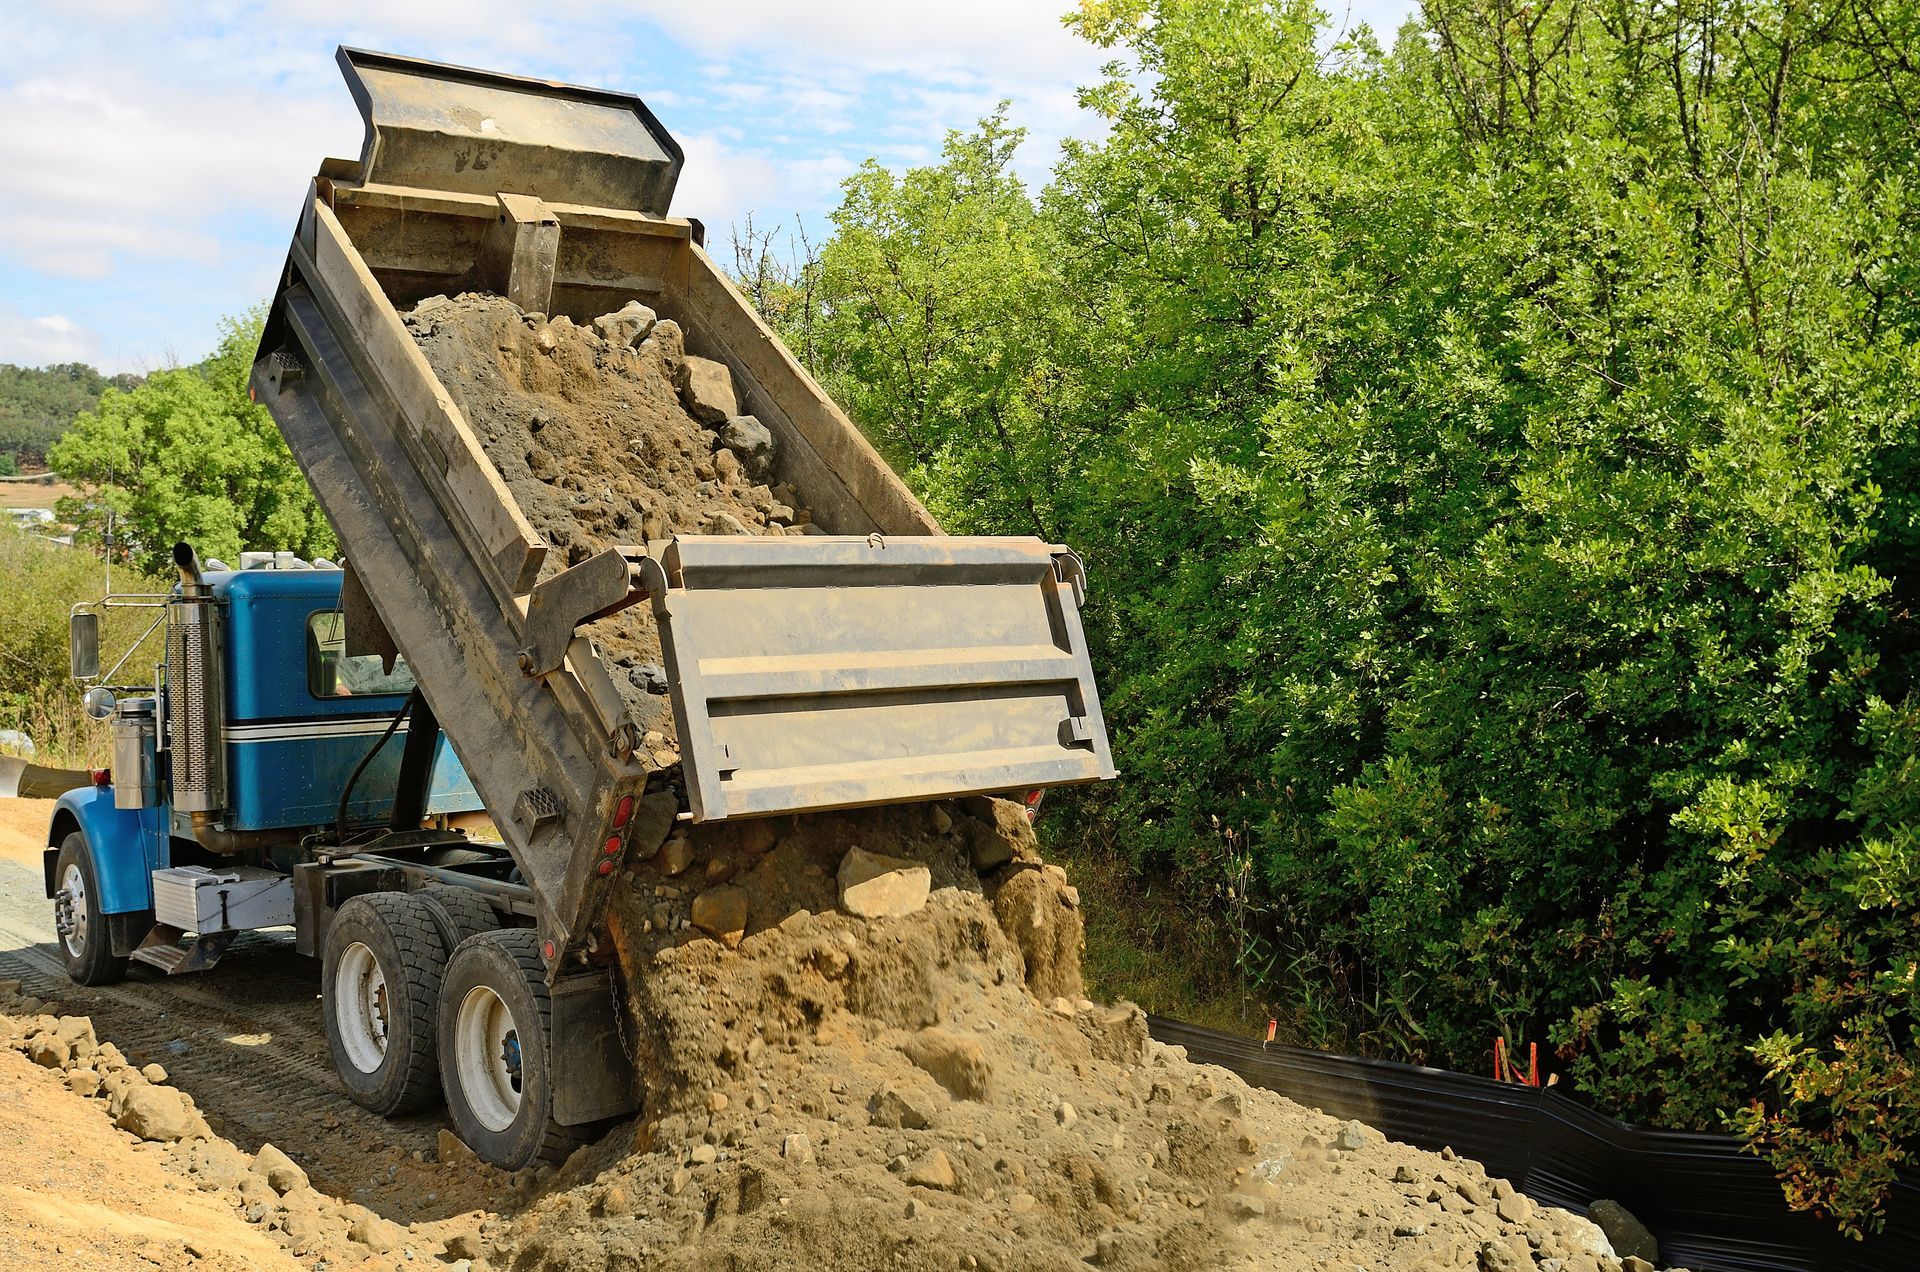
<point>37,404</point>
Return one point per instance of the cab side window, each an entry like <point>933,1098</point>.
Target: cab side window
<point>331,673</point>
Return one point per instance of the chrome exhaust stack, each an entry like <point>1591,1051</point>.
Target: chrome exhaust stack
<point>196,700</point>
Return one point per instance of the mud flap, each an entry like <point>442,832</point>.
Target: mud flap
<point>592,1077</point>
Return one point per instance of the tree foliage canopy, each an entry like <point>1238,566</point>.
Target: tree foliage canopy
<point>1496,457</point>
<point>38,403</point>
<point>186,456</point>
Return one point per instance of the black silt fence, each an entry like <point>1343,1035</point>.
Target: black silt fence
<point>1714,1207</point>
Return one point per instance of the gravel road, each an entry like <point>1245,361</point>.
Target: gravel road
<point>244,1039</point>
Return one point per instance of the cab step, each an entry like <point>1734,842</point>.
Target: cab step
<point>162,949</point>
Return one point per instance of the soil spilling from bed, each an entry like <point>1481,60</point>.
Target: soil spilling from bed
<point>594,430</point>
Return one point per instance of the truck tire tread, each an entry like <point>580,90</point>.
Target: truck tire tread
<point>421,958</point>
<point>520,949</point>
<point>458,912</point>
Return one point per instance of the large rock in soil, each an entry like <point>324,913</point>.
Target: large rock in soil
<point>752,441</point>
<point>706,388</point>
<point>722,914</point>
<point>1041,913</point>
<point>903,1108</point>
<point>156,1113</point>
<point>997,831</point>
<point>376,1233</point>
<point>875,887</point>
<point>627,326</point>
<point>956,1061</point>
<point>278,1170</point>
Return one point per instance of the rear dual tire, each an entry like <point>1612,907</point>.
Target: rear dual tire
<point>495,1061</point>
<point>379,987</point>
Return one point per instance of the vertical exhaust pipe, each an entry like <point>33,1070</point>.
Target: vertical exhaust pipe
<point>187,561</point>
<point>196,701</point>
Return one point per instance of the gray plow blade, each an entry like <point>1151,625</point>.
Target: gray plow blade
<point>22,780</point>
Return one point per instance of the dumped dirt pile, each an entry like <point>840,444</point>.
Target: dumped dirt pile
<point>607,435</point>
<point>917,1089</point>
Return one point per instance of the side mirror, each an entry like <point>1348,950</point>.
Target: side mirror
<point>83,644</point>
<point>98,702</point>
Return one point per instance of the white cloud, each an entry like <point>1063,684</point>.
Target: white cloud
<point>720,185</point>
<point>35,341</point>
<point>144,134</point>
<point>105,164</point>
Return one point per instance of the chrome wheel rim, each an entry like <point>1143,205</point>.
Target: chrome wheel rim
<point>73,900</point>
<point>360,1007</point>
<point>487,1058</point>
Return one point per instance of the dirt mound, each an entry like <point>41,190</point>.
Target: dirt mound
<point>906,1091</point>
<point>265,1189</point>
<point>592,429</point>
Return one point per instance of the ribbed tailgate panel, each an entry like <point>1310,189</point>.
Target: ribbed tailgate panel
<point>822,672</point>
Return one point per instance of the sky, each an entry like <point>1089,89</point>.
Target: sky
<point>155,155</point>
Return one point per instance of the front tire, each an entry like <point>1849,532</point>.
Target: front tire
<point>494,1059</point>
<point>379,985</point>
<point>86,946</point>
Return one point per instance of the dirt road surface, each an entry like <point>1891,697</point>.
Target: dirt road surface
<point>245,1041</point>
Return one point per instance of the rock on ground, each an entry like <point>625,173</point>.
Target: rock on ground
<point>1626,1234</point>
<point>156,1113</point>
<point>282,1174</point>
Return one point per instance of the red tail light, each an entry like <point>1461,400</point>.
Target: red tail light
<point>103,777</point>
<point>622,811</point>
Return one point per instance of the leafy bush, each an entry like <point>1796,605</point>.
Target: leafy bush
<point>44,581</point>
<point>1497,462</point>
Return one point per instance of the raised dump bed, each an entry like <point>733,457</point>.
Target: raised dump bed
<point>878,662</point>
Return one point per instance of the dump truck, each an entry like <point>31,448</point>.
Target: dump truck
<point>416,757</point>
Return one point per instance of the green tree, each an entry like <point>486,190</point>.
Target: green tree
<point>942,301</point>
<point>187,456</point>
<point>37,404</point>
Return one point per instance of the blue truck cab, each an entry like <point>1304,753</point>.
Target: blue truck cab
<point>257,724</point>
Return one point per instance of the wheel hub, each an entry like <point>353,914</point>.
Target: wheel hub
<point>70,910</point>
<point>360,1007</point>
<point>489,1062</point>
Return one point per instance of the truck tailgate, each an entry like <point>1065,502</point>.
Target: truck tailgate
<point>833,672</point>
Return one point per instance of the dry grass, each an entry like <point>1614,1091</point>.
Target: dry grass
<point>33,493</point>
